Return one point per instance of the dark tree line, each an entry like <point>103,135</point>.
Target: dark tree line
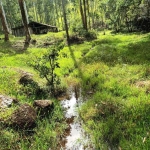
<point>73,15</point>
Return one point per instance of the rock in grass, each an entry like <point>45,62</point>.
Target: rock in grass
<point>6,101</point>
<point>24,117</point>
<point>43,107</point>
<point>26,79</point>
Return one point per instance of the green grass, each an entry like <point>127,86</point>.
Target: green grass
<point>14,63</point>
<point>46,134</point>
<point>116,114</point>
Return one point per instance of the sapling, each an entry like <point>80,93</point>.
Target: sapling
<point>46,66</point>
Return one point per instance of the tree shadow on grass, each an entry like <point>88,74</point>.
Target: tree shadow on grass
<point>75,62</point>
<point>127,53</point>
<point>10,48</point>
<point>137,53</point>
<point>26,45</point>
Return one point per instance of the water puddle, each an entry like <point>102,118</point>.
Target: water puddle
<point>75,137</point>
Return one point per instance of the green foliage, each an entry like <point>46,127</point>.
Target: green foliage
<point>88,35</point>
<point>46,66</point>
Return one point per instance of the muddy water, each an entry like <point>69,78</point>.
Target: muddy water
<point>75,137</point>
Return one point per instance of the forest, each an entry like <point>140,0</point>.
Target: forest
<point>74,75</point>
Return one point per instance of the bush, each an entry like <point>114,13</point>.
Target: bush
<point>46,66</point>
<point>90,35</point>
<point>82,33</point>
<point>76,39</point>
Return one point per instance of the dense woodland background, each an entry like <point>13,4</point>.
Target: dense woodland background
<point>119,15</point>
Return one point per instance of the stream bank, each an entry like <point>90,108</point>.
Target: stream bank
<point>75,137</point>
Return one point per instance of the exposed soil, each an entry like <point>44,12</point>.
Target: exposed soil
<point>142,83</point>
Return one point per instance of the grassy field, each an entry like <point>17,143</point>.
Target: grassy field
<point>14,62</point>
<point>114,74</point>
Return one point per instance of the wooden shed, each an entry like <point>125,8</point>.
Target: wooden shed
<point>34,28</point>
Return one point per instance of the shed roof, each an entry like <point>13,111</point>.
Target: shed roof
<point>35,24</point>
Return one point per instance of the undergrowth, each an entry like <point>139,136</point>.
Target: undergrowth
<point>14,64</point>
<point>113,72</point>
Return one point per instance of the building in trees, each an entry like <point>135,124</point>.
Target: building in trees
<point>34,28</point>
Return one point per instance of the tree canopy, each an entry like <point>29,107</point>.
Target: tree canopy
<point>87,14</point>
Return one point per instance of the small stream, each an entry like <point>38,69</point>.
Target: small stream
<point>75,137</point>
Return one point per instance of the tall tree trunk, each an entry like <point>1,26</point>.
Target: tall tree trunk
<point>62,22</point>
<point>57,16</point>
<point>85,16</point>
<point>93,13</point>
<point>88,11</point>
<point>35,12</point>
<point>65,20</point>
<point>82,15</point>
<point>4,22</point>
<point>148,8</point>
<point>25,19</point>
<point>9,11</point>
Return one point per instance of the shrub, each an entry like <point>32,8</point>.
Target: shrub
<point>88,35</point>
<point>46,66</point>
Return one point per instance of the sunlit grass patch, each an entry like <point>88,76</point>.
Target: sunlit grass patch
<point>8,81</point>
<point>112,120</point>
<point>113,72</point>
<point>49,34</point>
